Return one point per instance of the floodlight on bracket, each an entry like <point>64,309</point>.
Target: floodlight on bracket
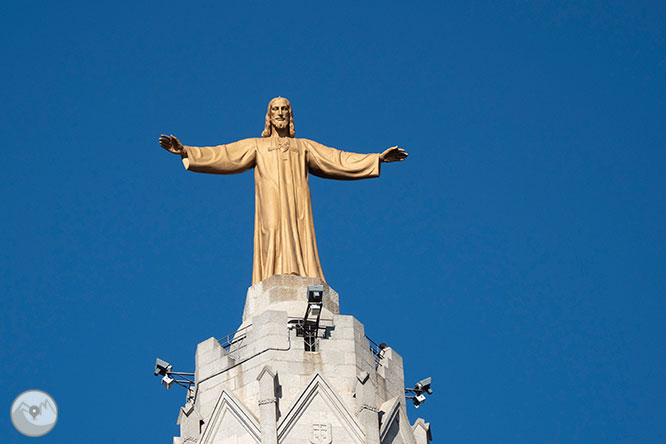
<point>308,327</point>
<point>417,394</point>
<point>315,298</point>
<point>169,377</point>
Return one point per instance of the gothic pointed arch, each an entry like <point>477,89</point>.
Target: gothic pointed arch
<point>232,417</point>
<point>319,412</point>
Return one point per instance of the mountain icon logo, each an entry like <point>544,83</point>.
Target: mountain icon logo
<point>34,413</point>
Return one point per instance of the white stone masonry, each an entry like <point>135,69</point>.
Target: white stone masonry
<point>266,388</point>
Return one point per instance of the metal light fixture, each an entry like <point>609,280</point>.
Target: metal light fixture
<point>421,387</point>
<point>424,385</point>
<point>308,327</point>
<point>315,297</point>
<point>167,381</point>
<point>162,367</point>
<point>169,377</point>
<point>418,400</point>
<point>315,293</point>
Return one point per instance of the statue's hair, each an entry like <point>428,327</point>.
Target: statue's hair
<point>268,128</point>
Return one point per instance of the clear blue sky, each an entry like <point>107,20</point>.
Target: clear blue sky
<point>517,256</point>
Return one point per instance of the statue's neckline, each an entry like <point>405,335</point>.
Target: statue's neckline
<point>283,144</point>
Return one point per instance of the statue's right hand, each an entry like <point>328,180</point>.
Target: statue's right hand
<point>171,144</point>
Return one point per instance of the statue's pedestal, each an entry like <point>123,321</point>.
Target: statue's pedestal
<point>262,386</point>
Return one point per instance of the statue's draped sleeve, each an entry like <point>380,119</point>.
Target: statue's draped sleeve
<point>331,163</point>
<point>232,158</point>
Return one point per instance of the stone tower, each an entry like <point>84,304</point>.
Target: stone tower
<point>275,382</point>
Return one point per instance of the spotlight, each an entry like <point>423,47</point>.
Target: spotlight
<point>424,386</point>
<point>162,367</point>
<point>308,327</point>
<point>169,377</point>
<point>315,294</point>
<point>421,387</point>
<point>167,381</point>
<point>418,400</point>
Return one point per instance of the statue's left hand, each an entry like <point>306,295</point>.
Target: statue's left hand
<point>393,154</point>
<point>172,144</point>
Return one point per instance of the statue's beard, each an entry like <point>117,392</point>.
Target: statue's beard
<point>280,124</point>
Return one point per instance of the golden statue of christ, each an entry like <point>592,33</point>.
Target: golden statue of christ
<point>284,235</point>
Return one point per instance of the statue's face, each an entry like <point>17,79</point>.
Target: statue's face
<point>280,113</point>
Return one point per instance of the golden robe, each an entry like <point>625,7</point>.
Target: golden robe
<point>284,236</point>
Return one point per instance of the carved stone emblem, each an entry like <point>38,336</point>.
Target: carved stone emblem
<point>321,433</point>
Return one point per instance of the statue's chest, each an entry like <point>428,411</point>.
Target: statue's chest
<point>283,149</point>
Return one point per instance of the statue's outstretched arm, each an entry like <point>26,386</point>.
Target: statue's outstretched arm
<point>331,163</point>
<point>232,158</point>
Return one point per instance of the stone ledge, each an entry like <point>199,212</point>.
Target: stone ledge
<point>287,293</point>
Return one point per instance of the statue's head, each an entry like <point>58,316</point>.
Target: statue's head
<point>279,115</point>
